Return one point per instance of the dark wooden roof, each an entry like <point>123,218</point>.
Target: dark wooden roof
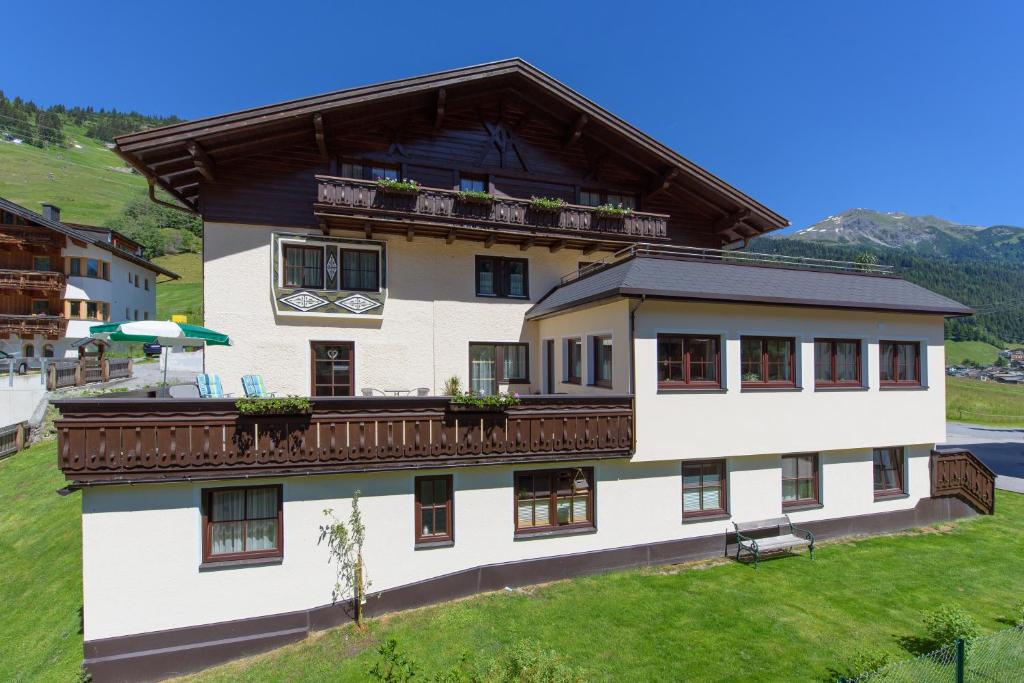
<point>687,280</point>
<point>180,157</point>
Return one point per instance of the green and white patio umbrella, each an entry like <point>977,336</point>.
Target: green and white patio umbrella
<point>163,332</point>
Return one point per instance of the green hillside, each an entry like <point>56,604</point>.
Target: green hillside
<point>977,352</point>
<point>184,296</point>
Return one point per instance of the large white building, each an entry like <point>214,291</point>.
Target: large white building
<point>666,389</point>
<point>58,279</point>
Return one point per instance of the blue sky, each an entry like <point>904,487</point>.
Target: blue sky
<point>811,107</point>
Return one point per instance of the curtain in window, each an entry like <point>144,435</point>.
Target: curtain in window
<point>485,277</point>
<point>359,270</point>
<point>227,528</point>
<point>262,533</point>
<point>482,367</point>
<point>516,278</point>
<point>846,361</point>
<point>703,367</point>
<point>514,364</point>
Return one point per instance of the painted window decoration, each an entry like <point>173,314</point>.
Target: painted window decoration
<point>704,488</point>
<point>768,361</point>
<point>601,353</point>
<point>573,360</point>
<point>501,277</point>
<point>888,467</point>
<point>491,364</point>
<point>900,363</point>
<point>837,362</point>
<point>434,521</point>
<point>554,499</point>
<point>800,480</point>
<point>333,368</point>
<point>242,523</point>
<point>329,276</point>
<point>688,361</point>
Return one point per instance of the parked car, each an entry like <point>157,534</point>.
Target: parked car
<point>21,364</point>
<point>151,349</point>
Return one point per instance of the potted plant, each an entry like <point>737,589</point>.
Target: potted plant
<point>613,211</point>
<point>395,186</point>
<point>475,197</point>
<point>547,204</point>
<point>482,403</point>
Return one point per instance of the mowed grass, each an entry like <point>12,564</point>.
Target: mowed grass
<point>40,570</point>
<point>979,352</point>
<point>89,182</point>
<point>789,620</point>
<point>184,296</point>
<point>987,403</point>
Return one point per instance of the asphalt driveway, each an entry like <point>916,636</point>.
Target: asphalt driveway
<point>1001,448</point>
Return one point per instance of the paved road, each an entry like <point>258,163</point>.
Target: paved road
<point>1001,448</point>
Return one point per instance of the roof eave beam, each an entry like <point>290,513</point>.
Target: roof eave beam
<point>202,161</point>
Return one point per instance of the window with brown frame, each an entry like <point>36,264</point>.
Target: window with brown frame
<point>333,371</point>
<point>800,480</point>
<point>601,360</point>
<point>837,363</point>
<point>472,183</point>
<point>688,361</point>
<point>360,270</point>
<point>554,499</point>
<point>492,364</point>
<point>768,361</point>
<point>704,488</point>
<point>242,523</point>
<point>900,363</point>
<point>40,306</point>
<point>501,277</point>
<point>303,266</point>
<point>573,360</point>
<point>888,468</point>
<point>434,523</point>
<point>368,171</point>
<point>600,197</point>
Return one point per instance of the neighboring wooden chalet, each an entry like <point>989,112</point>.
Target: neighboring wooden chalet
<point>669,385</point>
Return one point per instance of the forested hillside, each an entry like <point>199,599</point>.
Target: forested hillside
<point>993,287</point>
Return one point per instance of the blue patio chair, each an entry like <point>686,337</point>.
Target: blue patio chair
<point>254,387</point>
<point>210,386</point>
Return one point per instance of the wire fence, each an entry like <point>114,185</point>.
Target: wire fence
<point>996,657</point>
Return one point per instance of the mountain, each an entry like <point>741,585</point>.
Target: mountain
<point>982,267</point>
<point>923,235</point>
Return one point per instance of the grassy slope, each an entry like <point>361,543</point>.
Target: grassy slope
<point>977,351</point>
<point>185,295</point>
<point>791,619</point>
<point>40,570</point>
<point>90,185</point>
<point>989,403</point>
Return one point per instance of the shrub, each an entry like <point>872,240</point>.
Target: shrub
<point>868,661</point>
<point>526,662</point>
<point>289,405</point>
<point>948,623</point>
<point>393,666</point>
<point>1018,614</point>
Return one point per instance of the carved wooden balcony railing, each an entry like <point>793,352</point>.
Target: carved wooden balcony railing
<point>50,326</point>
<point>960,473</point>
<point>31,280</point>
<point>138,439</point>
<point>20,237</point>
<point>347,196</point>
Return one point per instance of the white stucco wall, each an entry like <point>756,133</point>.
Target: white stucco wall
<point>431,315</point>
<point>607,319</point>
<point>142,544</point>
<point>708,424</point>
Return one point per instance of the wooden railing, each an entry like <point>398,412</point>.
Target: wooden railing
<point>137,439</point>
<point>62,373</point>
<point>36,280</point>
<point>960,473</point>
<point>437,205</point>
<point>30,325</point>
<point>70,373</point>
<point>12,439</point>
<point>21,237</point>
<point>117,368</point>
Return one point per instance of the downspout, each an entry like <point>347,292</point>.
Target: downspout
<point>632,363</point>
<point>153,198</point>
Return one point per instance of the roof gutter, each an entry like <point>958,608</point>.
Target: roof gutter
<point>632,343</point>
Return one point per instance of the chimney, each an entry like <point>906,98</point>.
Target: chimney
<point>51,212</point>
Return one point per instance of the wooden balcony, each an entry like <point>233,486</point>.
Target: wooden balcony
<point>32,280</point>
<point>443,210</point>
<point>28,326</point>
<point>22,238</point>
<point>960,473</point>
<point>116,439</point>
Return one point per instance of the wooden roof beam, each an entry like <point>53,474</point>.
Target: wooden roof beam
<point>203,163</point>
<point>489,242</point>
<point>526,244</point>
<point>321,141</point>
<point>556,246</point>
<point>728,222</point>
<point>442,98</point>
<point>575,130</point>
<point>661,183</point>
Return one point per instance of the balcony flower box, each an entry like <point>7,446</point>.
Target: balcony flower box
<point>402,187</point>
<point>609,211</point>
<point>546,205</point>
<point>473,197</point>
<point>290,405</point>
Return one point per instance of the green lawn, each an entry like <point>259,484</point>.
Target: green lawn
<point>40,570</point>
<point>979,352</point>
<point>184,296</point>
<point>988,403</point>
<point>791,619</point>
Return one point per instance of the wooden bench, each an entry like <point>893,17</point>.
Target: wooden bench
<point>756,537</point>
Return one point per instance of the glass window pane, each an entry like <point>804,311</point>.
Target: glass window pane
<point>440,491</point>
<point>262,503</point>
<point>579,509</point>
<point>703,367</point>
<point>789,489</point>
<point>691,500</point>
<point>563,506</point>
<point>525,514</point>
<point>426,492</point>
<point>806,489</point>
<point>789,467</point>
<point>261,535</point>
<point>710,477</point>
<point>750,360</point>
<point>441,520</point>
<point>823,362</point>
<point>590,198</point>
<point>426,521</point>
<point>514,365</point>
<point>516,278</point>
<point>778,352</point>
<point>227,537</point>
<point>846,361</point>
<point>92,267</point>
<point>805,466</point>
<point>886,362</point>
<point>712,499</point>
<point>227,505</point>
<point>485,277</point>
<point>482,377</point>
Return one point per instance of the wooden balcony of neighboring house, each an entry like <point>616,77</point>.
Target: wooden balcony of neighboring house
<point>21,238</point>
<point>28,326</point>
<point>958,472</point>
<point>31,280</point>
<point>347,202</point>
<point>138,439</point>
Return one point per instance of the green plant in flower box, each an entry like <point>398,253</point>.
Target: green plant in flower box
<point>288,405</point>
<point>404,186</point>
<point>546,203</point>
<point>613,211</point>
<point>476,196</point>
